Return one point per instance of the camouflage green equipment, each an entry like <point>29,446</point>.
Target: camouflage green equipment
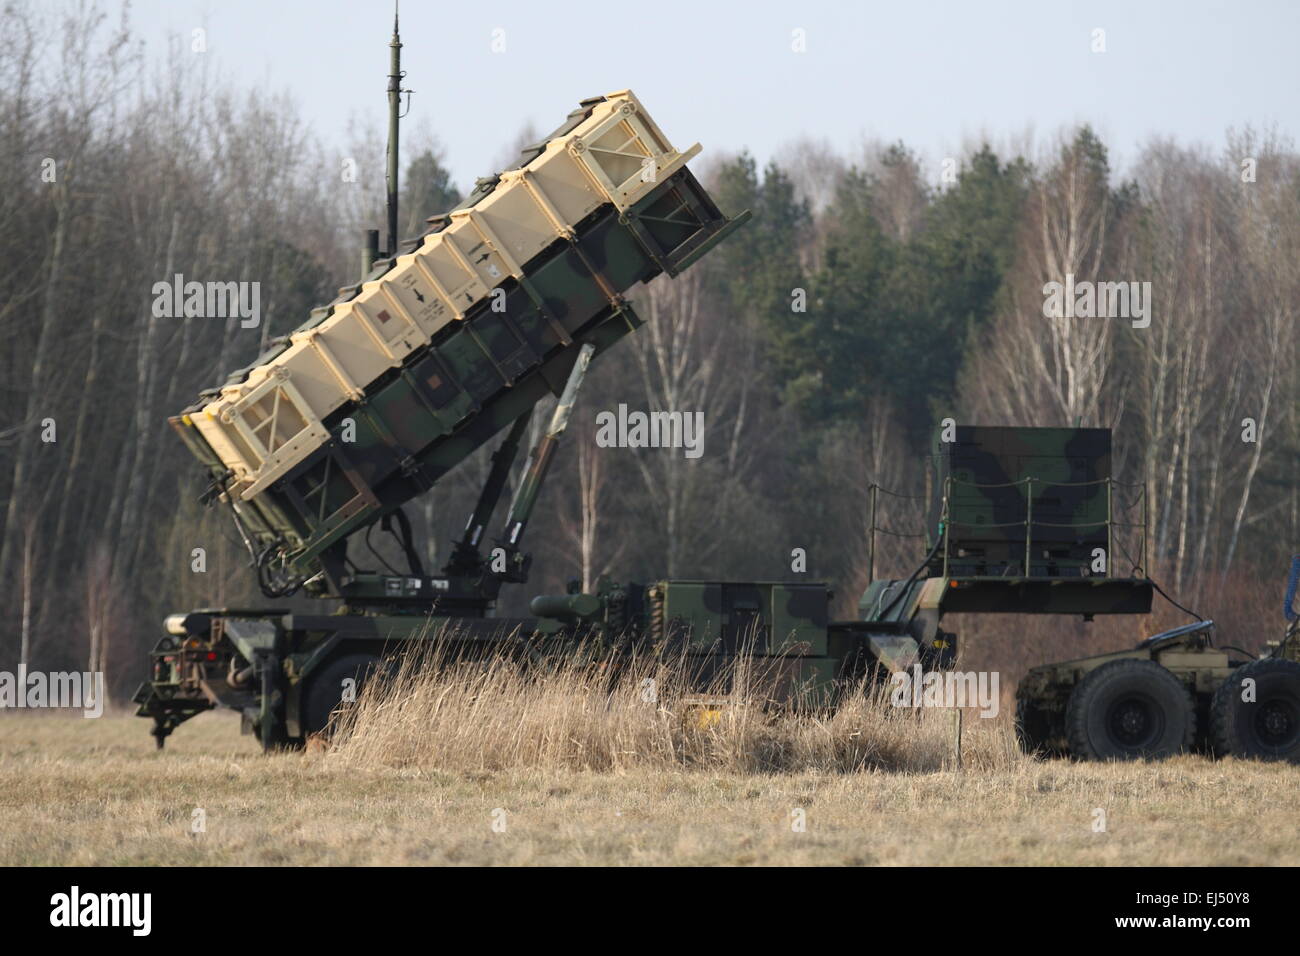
<point>1019,520</point>
<point>502,302</point>
<point>1174,692</point>
<point>986,487</point>
<point>780,629</point>
<point>1029,503</point>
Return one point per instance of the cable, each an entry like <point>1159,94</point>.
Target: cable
<point>908,583</point>
<point>404,539</point>
<point>378,556</point>
<point>1173,602</point>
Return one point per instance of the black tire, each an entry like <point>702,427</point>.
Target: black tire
<point>324,690</point>
<point>1130,709</point>
<point>1033,728</point>
<point>1267,728</point>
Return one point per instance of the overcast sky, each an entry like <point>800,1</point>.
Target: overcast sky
<point>725,74</point>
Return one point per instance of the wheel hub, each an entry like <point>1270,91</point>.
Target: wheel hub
<point>1131,721</point>
<point>1276,723</point>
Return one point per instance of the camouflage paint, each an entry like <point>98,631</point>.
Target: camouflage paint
<point>1010,497</point>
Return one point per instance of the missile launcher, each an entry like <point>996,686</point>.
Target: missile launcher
<point>380,393</point>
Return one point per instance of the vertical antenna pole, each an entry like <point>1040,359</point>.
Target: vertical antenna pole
<point>1110,525</point>
<point>369,252</point>
<point>1029,520</point>
<point>394,104</point>
<point>871,552</point>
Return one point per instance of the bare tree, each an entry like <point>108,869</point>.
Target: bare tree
<point>1053,369</point>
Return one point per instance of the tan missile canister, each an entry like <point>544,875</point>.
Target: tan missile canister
<point>263,426</point>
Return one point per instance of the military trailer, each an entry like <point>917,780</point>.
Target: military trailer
<point>448,340</point>
<point>454,337</point>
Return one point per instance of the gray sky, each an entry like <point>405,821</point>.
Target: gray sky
<point>933,74</point>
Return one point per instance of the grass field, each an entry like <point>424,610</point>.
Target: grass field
<point>75,791</point>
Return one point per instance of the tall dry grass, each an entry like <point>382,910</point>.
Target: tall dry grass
<point>577,714</point>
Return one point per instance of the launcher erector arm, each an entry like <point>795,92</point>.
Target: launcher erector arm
<point>539,460</point>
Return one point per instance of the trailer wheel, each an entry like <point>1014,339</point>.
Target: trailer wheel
<point>324,691</point>
<point>1129,709</point>
<point>1267,727</point>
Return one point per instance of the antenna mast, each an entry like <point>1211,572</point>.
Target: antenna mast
<point>394,104</point>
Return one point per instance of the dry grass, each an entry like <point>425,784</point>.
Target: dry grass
<point>576,717</point>
<point>581,775</point>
